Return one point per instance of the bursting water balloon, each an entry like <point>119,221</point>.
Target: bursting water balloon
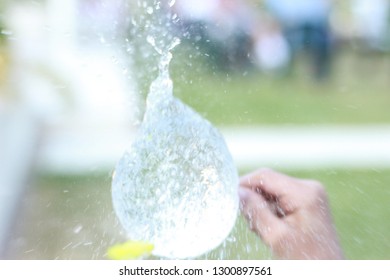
<point>176,186</point>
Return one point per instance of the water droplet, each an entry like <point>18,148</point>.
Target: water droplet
<point>149,10</point>
<point>151,40</point>
<point>174,43</point>
<point>77,229</point>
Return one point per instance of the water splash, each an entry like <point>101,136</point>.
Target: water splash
<point>176,187</point>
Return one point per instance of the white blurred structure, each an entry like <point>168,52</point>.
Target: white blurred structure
<point>83,92</point>
<point>16,157</point>
<point>303,147</point>
<point>74,103</point>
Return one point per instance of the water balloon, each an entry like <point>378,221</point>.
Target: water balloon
<point>176,186</point>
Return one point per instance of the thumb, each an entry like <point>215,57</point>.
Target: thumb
<point>259,215</point>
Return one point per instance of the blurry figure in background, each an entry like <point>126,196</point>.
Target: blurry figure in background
<point>271,50</point>
<point>223,28</point>
<point>371,20</point>
<point>305,25</point>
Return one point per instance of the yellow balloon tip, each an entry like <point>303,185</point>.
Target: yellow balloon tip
<point>130,250</point>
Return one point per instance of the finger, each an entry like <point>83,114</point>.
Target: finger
<point>270,182</point>
<point>282,188</point>
<point>260,217</point>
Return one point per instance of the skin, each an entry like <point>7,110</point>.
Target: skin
<point>292,216</point>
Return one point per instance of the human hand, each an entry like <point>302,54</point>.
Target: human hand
<point>291,215</point>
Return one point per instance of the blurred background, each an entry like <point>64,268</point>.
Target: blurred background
<point>299,86</point>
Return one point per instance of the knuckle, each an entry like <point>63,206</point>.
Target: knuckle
<point>319,195</point>
<point>315,193</point>
<point>265,171</point>
<point>317,188</point>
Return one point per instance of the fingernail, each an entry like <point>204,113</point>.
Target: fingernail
<point>243,193</point>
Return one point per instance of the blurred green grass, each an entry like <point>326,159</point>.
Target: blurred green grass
<point>357,92</point>
<point>73,218</point>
